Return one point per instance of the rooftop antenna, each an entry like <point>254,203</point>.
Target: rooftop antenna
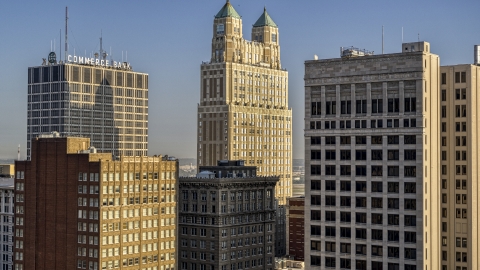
<point>382,39</point>
<point>418,37</point>
<point>126,56</point>
<point>18,153</point>
<point>51,46</point>
<point>60,45</point>
<point>66,32</point>
<point>101,49</point>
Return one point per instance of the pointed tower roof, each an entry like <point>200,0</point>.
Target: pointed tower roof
<point>265,20</point>
<point>227,11</point>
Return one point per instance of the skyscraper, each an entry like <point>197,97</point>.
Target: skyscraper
<point>460,86</point>
<point>243,111</point>
<point>372,155</point>
<point>91,97</point>
<point>78,209</point>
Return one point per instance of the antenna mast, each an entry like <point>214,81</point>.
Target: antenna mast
<point>382,39</point>
<point>101,49</point>
<point>66,32</point>
<point>18,154</point>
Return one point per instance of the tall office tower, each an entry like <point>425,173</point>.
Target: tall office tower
<point>372,154</point>
<point>227,218</point>
<point>6,222</point>
<point>243,111</point>
<point>460,85</point>
<point>106,103</point>
<point>77,209</point>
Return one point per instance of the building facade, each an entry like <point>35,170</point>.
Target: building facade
<point>227,220</point>
<point>77,209</point>
<point>6,223</point>
<point>371,156</point>
<point>107,104</point>
<point>295,228</point>
<point>243,111</point>
<point>459,165</point>
<point>7,170</point>
<point>280,230</point>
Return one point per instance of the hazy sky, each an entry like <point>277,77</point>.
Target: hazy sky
<point>169,40</point>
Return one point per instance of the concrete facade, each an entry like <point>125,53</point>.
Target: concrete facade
<point>243,111</point>
<point>459,166</point>
<point>77,209</point>
<point>227,223</point>
<point>371,159</point>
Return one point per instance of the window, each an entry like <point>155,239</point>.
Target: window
<point>377,251</point>
<point>410,204</point>
<point>377,203</point>
<point>315,260</point>
<point>315,215</point>
<point>393,236</point>
<point>410,237</point>
<point>393,105</point>
<point>393,170</point>
<point>345,154</point>
<point>376,139</point>
<point>315,200</point>
<point>444,78</point>
<point>345,248</point>
<point>393,252</point>
<point>377,219</point>
<point>345,232</point>
<point>393,139</point>
<point>330,231</point>
<point>331,107</point>
<point>315,169</point>
<point>410,171</point>
<point>377,105</point>
<point>330,155</point>
<point>360,202</point>
<point>345,201</point>
<point>361,170</point>
<point>316,185</point>
<point>393,155</point>
<point>330,185</point>
<point>345,185</point>
<point>346,107</point>
<point>377,170</point>
<point>360,233</point>
<point>316,154</point>
<point>360,218</point>
<point>361,106</point>
<point>393,220</point>
<point>393,203</point>
<point>345,217</point>
<point>377,186</point>
<point>315,140</point>
<point>330,246</point>
<point>345,140</point>
<point>409,139</point>
<point>410,154</point>
<point>410,187</point>
<point>330,169</point>
<point>361,155</point>
<point>316,245</point>
<point>377,235</point>
<point>330,200</point>
<point>410,104</point>
<point>360,140</point>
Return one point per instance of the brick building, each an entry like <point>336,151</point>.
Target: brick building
<point>78,209</point>
<point>295,227</point>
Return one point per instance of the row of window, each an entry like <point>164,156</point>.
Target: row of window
<point>361,186</point>
<point>362,140</point>
<point>393,106</point>
<point>361,218</point>
<point>374,123</point>
<point>361,234</point>
<point>408,154</point>
<point>362,264</point>
<point>361,202</point>
<point>237,195</point>
<point>361,170</point>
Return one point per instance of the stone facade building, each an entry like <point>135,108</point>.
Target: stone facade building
<point>227,219</point>
<point>78,209</point>
<point>371,158</point>
<point>460,152</point>
<point>7,208</point>
<point>109,105</point>
<point>243,111</point>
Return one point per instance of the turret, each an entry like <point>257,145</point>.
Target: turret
<point>227,27</point>
<point>265,30</point>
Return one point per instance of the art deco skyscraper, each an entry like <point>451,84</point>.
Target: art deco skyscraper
<point>243,111</point>
<point>106,103</point>
<point>372,155</point>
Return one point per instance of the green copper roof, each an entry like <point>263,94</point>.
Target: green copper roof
<point>265,20</point>
<point>227,11</point>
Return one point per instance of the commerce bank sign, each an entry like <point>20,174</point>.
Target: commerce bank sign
<point>97,62</point>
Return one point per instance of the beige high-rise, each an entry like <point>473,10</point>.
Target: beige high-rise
<point>243,111</point>
<point>459,166</point>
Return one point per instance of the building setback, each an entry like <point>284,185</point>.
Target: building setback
<point>227,218</point>
<point>109,105</point>
<point>78,209</point>
<point>459,166</point>
<point>371,156</point>
<point>243,111</point>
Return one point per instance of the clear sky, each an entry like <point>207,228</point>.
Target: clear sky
<point>170,39</point>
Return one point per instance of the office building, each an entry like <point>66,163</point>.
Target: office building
<point>93,98</point>
<point>6,223</point>
<point>78,209</point>
<point>295,228</point>
<point>460,85</point>
<point>280,230</point>
<point>227,218</point>
<point>243,111</point>
<point>372,154</point>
